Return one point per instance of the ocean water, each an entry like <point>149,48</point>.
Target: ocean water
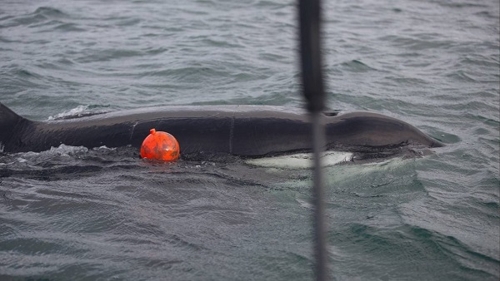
<point>72,213</point>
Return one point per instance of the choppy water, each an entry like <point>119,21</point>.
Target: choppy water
<point>77,214</point>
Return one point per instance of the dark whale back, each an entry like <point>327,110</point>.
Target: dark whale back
<point>366,129</point>
<point>248,131</point>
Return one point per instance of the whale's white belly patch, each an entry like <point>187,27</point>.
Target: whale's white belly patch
<point>300,160</point>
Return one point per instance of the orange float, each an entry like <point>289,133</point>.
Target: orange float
<point>160,145</point>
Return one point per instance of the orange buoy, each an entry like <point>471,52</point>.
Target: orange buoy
<point>160,146</point>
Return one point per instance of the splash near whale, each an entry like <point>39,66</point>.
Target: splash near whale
<point>204,131</point>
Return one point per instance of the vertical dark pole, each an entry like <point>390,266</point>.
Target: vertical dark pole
<point>310,52</point>
<point>312,82</point>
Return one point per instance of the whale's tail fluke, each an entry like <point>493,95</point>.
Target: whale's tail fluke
<point>9,121</point>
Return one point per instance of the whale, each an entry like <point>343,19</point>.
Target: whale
<point>248,131</point>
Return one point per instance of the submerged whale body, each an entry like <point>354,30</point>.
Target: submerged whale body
<point>246,131</point>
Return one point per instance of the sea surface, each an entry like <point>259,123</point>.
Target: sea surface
<point>72,213</point>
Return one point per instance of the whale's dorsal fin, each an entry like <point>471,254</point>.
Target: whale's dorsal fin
<point>8,123</point>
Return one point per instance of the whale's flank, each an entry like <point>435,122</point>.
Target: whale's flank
<point>247,131</point>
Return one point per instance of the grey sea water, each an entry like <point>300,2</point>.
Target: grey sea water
<point>76,214</point>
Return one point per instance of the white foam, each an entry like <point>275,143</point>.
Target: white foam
<point>61,150</point>
<point>75,112</point>
<point>300,160</point>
